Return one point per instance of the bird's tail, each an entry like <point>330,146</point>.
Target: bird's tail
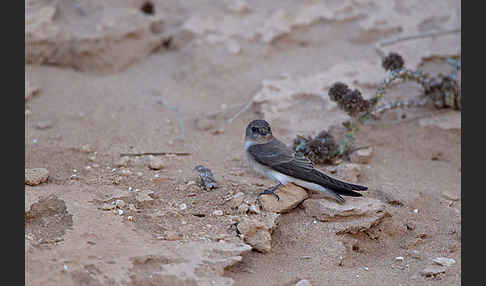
<point>340,187</point>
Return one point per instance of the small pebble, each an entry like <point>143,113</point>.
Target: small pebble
<point>120,203</point>
<point>122,162</point>
<point>120,212</point>
<point>444,261</point>
<point>218,213</point>
<point>155,163</point>
<point>303,282</point>
<point>108,207</point>
<point>254,209</point>
<point>182,207</point>
<point>415,211</point>
<point>36,176</point>
<point>399,258</point>
<point>44,124</point>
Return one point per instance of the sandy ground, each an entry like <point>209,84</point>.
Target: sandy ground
<point>89,109</point>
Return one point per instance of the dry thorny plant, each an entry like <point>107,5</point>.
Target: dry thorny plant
<point>442,91</point>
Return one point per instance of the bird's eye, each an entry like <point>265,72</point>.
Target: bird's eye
<point>254,129</point>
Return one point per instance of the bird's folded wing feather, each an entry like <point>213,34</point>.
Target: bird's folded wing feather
<point>279,157</point>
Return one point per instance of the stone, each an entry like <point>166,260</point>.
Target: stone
<point>30,90</point>
<point>256,233</point>
<point>120,203</point>
<point>356,214</point>
<point>36,176</point>
<point>143,197</point>
<point>237,6</point>
<point>303,282</point>
<point>290,196</point>
<point>46,124</point>
<point>111,42</point>
<point>362,156</point>
<point>155,163</point>
<point>122,162</point>
<point>237,200</point>
<point>107,206</point>
<point>433,270</point>
<point>271,220</point>
<point>217,213</point>
<point>450,195</point>
<point>444,261</point>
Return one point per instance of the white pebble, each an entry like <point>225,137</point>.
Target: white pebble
<point>444,261</point>
<point>415,211</point>
<point>182,207</point>
<point>120,212</point>
<point>218,213</point>
<point>399,258</point>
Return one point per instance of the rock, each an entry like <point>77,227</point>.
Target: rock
<point>182,207</point>
<point>143,197</point>
<point>356,214</point>
<point>112,41</point>
<point>289,101</point>
<point>254,209</point>
<point>155,163</point>
<point>415,254</point>
<point>256,233</point>
<point>237,6</point>
<point>450,195</point>
<point>172,235</point>
<point>30,90</point>
<point>433,270</point>
<point>303,282</point>
<point>290,196</point>
<point>270,219</point>
<point>399,258</point>
<point>243,208</point>
<point>217,213</point>
<point>449,120</point>
<point>349,172</point>
<point>120,203</point>
<point>444,261</point>
<point>36,176</point>
<point>46,124</point>
<point>108,207</point>
<point>361,156</point>
<point>237,200</point>
<point>122,162</point>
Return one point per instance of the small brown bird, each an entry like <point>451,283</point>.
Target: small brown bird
<point>272,158</point>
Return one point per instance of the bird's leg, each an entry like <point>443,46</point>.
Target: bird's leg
<point>271,191</point>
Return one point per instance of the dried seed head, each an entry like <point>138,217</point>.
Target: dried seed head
<point>392,62</point>
<point>337,91</point>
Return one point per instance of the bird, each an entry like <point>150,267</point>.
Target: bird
<point>273,159</point>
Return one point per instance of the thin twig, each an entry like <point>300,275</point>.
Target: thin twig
<point>248,105</point>
<point>155,154</point>
<point>418,36</point>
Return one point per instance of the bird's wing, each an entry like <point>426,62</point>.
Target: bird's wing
<point>275,153</point>
<point>279,157</point>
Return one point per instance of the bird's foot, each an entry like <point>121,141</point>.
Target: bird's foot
<point>271,191</point>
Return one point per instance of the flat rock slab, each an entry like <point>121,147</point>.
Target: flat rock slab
<point>290,196</point>
<point>256,233</point>
<point>354,215</point>
<point>36,176</point>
